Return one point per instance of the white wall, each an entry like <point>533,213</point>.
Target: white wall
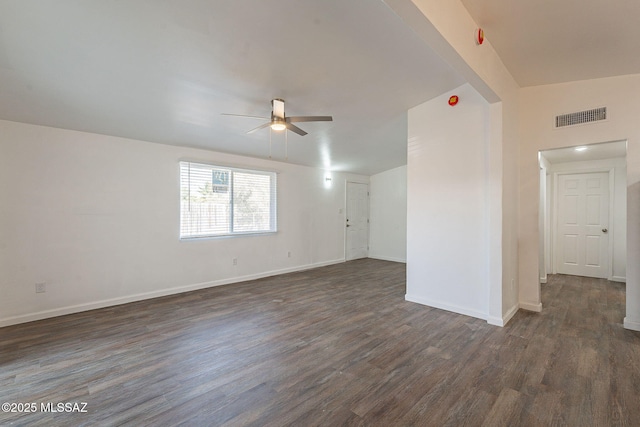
<point>543,220</point>
<point>97,217</point>
<point>522,125</point>
<point>388,215</point>
<point>617,224</point>
<point>447,204</point>
<point>539,105</point>
<point>448,29</point>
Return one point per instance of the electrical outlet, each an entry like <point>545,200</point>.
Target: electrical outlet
<point>289,254</point>
<point>41,288</point>
<point>235,261</point>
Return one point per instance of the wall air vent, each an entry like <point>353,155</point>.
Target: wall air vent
<point>581,117</point>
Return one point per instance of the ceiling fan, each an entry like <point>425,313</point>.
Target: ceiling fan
<point>281,122</point>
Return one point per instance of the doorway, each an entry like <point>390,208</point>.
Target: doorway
<point>583,222</point>
<point>357,221</point>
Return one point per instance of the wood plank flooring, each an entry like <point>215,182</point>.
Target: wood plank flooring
<point>335,346</point>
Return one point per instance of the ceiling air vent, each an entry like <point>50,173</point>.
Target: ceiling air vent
<point>581,117</point>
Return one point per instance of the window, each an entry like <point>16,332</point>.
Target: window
<point>223,201</point>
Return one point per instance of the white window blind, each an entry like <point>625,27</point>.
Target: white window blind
<point>223,201</point>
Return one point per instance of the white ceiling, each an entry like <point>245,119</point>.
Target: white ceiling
<point>545,42</point>
<point>607,150</point>
<point>165,71</point>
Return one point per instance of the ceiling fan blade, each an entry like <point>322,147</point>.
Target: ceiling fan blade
<point>295,129</point>
<point>278,108</point>
<point>296,119</point>
<point>244,115</point>
<point>262,126</point>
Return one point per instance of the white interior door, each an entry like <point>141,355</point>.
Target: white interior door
<point>582,244</point>
<point>357,221</point>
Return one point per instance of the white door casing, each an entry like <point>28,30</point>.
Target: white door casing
<point>357,221</point>
<point>582,238</point>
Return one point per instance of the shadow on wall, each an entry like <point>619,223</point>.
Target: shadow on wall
<point>632,319</point>
<point>633,228</point>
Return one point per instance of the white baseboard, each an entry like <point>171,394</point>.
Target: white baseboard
<point>448,307</point>
<point>543,280</point>
<point>632,325</point>
<point>45,314</point>
<point>388,258</point>
<point>618,279</point>
<point>497,321</point>
<point>531,306</point>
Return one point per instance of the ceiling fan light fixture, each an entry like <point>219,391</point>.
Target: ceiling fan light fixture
<point>280,122</point>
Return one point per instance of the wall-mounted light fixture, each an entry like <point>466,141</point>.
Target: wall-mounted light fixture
<point>328,180</point>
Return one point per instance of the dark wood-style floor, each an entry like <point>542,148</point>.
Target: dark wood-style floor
<point>335,346</point>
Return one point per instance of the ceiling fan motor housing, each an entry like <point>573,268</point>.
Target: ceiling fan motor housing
<point>277,107</point>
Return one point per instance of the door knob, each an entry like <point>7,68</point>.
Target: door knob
<point>604,230</point>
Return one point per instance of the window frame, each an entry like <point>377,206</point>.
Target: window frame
<point>273,200</point>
